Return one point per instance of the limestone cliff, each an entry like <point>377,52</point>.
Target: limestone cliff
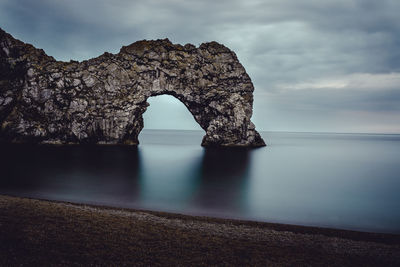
<point>102,100</point>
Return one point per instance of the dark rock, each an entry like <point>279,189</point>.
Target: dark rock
<point>102,100</point>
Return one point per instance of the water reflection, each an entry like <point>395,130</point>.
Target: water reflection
<point>75,173</point>
<point>158,177</point>
<point>222,180</point>
<point>168,176</point>
<point>312,179</point>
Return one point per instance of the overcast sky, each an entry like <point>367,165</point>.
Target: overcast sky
<point>328,66</point>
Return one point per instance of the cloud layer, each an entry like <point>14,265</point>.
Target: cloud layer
<point>316,65</point>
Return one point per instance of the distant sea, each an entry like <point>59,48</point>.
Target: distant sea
<point>346,181</point>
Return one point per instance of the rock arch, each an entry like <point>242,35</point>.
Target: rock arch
<point>102,100</point>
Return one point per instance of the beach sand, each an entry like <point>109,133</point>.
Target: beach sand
<point>41,233</point>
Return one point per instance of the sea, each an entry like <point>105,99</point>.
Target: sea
<point>342,181</point>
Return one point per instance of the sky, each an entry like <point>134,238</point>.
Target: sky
<point>324,66</point>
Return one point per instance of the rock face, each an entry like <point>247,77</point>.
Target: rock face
<point>102,100</point>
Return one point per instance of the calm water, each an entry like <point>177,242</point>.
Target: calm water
<point>346,181</point>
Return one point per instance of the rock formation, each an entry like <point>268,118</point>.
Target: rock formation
<point>102,100</point>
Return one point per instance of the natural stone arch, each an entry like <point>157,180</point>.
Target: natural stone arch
<point>102,100</point>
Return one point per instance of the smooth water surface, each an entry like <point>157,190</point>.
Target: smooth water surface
<point>348,181</point>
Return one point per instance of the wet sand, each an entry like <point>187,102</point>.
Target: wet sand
<point>39,233</point>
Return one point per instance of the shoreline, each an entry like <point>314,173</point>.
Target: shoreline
<point>62,233</point>
<point>354,234</point>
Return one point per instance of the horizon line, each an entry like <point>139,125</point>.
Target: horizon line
<point>280,131</point>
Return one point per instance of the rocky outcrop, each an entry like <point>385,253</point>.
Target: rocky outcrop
<point>102,100</point>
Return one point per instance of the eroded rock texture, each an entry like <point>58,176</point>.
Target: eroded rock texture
<point>102,100</point>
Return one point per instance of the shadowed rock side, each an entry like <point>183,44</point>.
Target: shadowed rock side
<point>102,100</point>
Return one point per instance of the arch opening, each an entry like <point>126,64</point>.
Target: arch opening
<point>167,113</point>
